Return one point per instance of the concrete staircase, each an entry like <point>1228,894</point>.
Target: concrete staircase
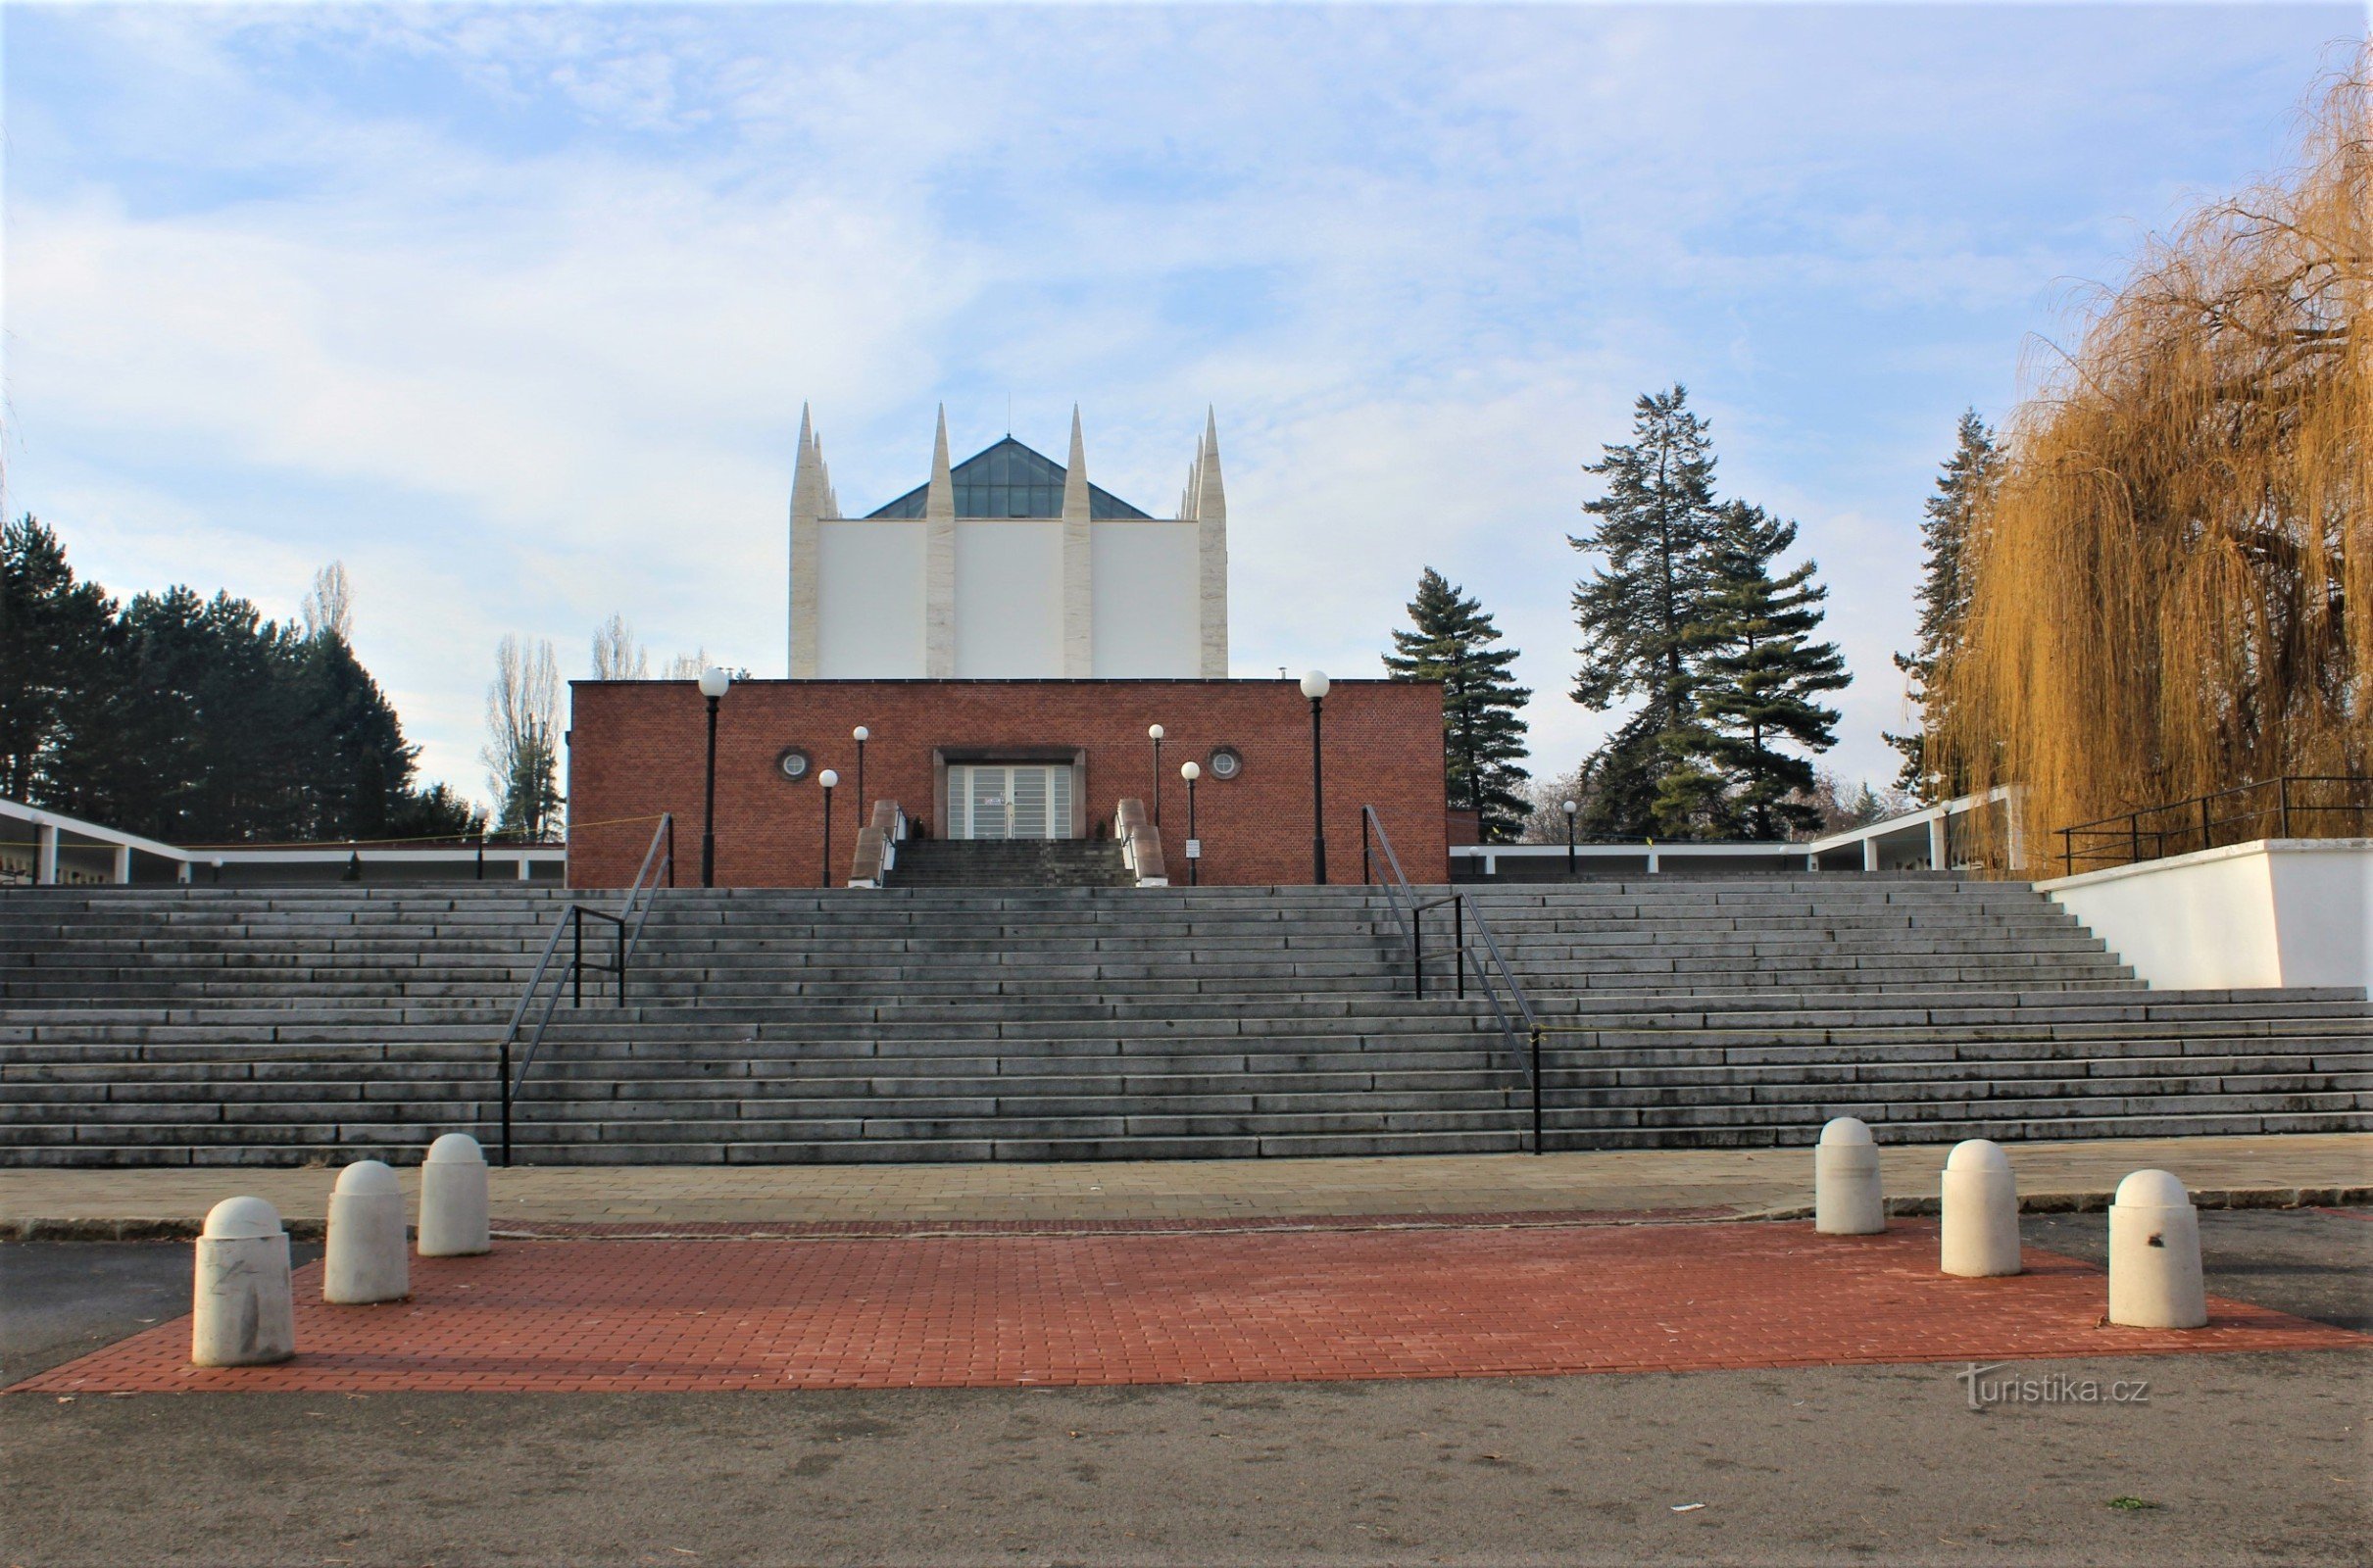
<point>206,1025</point>
<point>1009,863</point>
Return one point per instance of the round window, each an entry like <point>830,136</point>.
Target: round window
<point>1227,763</point>
<point>795,764</point>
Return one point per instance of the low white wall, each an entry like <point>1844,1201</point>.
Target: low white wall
<point>2274,912</point>
<point>2323,911</point>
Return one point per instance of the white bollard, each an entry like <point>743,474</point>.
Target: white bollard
<point>453,1198</point>
<point>242,1311</point>
<point>1980,1208</point>
<point>2155,1272</point>
<point>1846,1198</point>
<point>365,1258</point>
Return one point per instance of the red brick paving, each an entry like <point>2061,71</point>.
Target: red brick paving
<point>1004,1311</point>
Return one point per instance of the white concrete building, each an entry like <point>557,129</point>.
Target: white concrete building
<point>1008,566</point>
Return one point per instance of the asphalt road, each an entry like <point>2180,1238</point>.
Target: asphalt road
<point>2257,1459</point>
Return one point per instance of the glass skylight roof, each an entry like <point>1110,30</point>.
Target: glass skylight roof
<point>1009,480</point>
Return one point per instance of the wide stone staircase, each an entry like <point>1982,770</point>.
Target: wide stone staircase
<point>212,1025</point>
<point>1748,1011</point>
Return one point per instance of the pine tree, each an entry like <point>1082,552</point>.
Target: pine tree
<point>1694,795</point>
<point>1482,726</point>
<point>194,720</point>
<point>1950,514</point>
<point>435,813</point>
<point>1637,610</point>
<point>1762,673</point>
<point>55,656</point>
<point>1626,775</point>
<point>362,760</point>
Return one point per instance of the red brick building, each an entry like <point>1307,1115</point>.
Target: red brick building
<point>937,748</point>
<point>1006,632</point>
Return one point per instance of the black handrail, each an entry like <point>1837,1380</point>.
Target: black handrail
<point>658,862</point>
<point>1492,969</point>
<point>2125,833</point>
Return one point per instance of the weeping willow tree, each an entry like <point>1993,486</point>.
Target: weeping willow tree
<point>2173,586</point>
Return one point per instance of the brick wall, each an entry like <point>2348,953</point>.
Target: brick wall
<point>635,750</point>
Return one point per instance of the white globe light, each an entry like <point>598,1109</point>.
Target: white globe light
<point>828,778</point>
<point>1155,730</point>
<point>714,681</point>
<point>1190,771</point>
<point>862,733</point>
<point>1314,684</point>
<point>1570,808</point>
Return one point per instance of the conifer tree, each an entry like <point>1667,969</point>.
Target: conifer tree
<point>1482,726</point>
<point>1639,609</point>
<point>1951,512</point>
<point>1762,673</point>
<point>196,719</point>
<point>1691,795</point>
<point>1626,775</point>
<point>55,635</point>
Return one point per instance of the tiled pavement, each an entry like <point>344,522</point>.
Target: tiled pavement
<point>2315,1168</point>
<point>1025,1310</point>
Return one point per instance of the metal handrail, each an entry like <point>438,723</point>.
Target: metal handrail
<point>2125,831</point>
<point>659,860</point>
<point>1393,900</point>
<point>1494,974</point>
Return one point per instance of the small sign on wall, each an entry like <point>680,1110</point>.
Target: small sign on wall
<point>1194,849</point>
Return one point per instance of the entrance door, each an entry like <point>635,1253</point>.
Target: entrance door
<point>1010,800</point>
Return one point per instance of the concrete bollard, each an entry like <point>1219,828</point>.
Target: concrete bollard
<point>365,1258</point>
<point>2155,1272</point>
<point>1981,1228</point>
<point>1846,1198</point>
<point>242,1311</point>
<point>453,1198</point>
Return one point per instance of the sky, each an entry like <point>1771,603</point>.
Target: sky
<point>514,310</point>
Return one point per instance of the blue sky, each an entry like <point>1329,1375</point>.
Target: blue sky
<point>513,309</point>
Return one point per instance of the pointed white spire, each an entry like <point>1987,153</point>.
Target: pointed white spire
<point>824,474</point>
<point>939,560</point>
<point>1210,495</point>
<point>1079,563</point>
<point>940,500</point>
<point>1211,518</point>
<point>811,499</point>
<point>1076,477</point>
<point>807,472</point>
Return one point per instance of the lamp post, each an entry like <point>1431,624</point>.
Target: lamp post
<point>862,735</point>
<point>828,778</point>
<point>1191,772</point>
<point>1314,687</point>
<point>713,685</point>
<point>1153,733</point>
<point>1570,808</point>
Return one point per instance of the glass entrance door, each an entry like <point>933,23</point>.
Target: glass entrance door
<point>1010,800</point>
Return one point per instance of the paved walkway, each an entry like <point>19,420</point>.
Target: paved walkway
<point>1015,1312</point>
<point>2315,1168</point>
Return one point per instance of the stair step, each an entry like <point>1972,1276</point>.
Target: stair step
<point>1006,1016</point>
